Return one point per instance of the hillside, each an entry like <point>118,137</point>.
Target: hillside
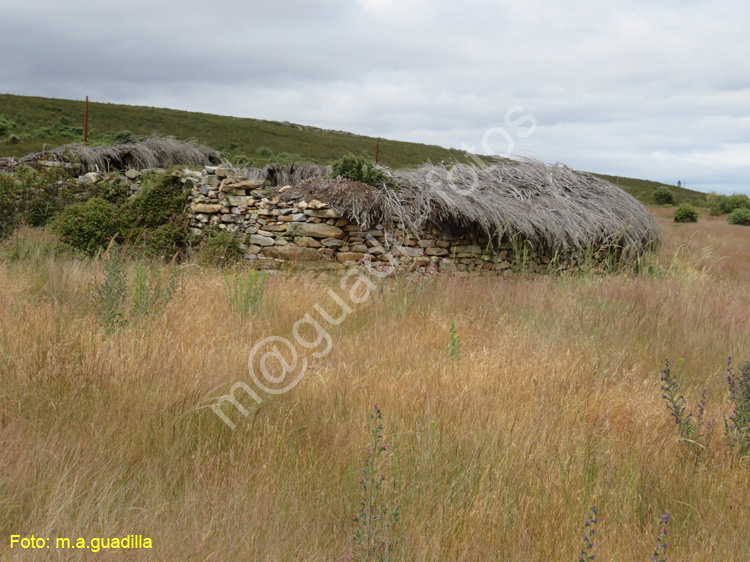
<point>28,124</point>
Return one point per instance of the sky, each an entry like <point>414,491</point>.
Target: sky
<point>656,89</point>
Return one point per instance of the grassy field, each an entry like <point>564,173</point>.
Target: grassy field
<point>39,122</point>
<point>546,400</point>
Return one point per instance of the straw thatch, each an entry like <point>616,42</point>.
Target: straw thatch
<point>553,207</point>
<point>155,152</point>
<point>276,175</point>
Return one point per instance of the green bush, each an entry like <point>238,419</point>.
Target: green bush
<point>221,249</point>
<point>723,204</point>
<point>160,199</point>
<point>165,241</point>
<point>264,152</point>
<point>664,196</point>
<point>8,204</point>
<point>686,213</point>
<point>361,169</point>
<point>739,216</point>
<point>87,226</point>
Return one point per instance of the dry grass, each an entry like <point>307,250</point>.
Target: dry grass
<point>553,405</point>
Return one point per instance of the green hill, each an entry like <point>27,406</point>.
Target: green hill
<point>28,124</point>
<point>643,189</point>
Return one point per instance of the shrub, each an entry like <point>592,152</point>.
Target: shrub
<point>264,152</point>
<point>8,204</point>
<point>739,216</point>
<point>86,226</point>
<point>686,213</point>
<point>158,201</point>
<point>221,249</point>
<point>664,196</point>
<point>164,241</point>
<point>362,170</point>
<point>735,201</point>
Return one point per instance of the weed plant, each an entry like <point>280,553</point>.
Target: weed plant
<point>244,292</point>
<point>374,534</point>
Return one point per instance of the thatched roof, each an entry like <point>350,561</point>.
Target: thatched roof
<point>277,175</point>
<point>155,152</point>
<point>552,206</point>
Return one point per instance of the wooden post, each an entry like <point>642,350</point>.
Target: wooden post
<point>377,150</point>
<point>86,123</point>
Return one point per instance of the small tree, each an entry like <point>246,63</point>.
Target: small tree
<point>664,196</point>
<point>686,213</point>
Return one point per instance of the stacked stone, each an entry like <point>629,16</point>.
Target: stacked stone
<point>311,231</point>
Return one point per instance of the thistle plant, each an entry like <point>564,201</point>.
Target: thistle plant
<point>374,535</point>
<point>589,531</point>
<point>661,540</point>
<point>109,295</point>
<point>737,426</point>
<point>691,427</point>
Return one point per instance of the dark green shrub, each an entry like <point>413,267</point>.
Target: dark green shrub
<point>664,196</point>
<point>686,213</point>
<point>159,200</point>
<point>34,196</point>
<point>264,152</point>
<point>739,216</point>
<point>113,190</point>
<point>154,220</point>
<point>87,226</point>
<point>221,249</point>
<point>361,169</point>
<point>164,241</point>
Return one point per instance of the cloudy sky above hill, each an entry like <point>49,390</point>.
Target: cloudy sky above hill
<point>655,89</point>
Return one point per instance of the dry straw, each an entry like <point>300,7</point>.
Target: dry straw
<point>155,152</point>
<point>551,206</point>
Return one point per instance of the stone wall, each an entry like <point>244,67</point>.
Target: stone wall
<point>273,232</point>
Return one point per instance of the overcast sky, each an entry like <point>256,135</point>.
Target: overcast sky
<point>650,89</point>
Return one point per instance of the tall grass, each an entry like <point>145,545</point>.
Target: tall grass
<point>554,406</point>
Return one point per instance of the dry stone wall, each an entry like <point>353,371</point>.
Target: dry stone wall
<point>273,232</point>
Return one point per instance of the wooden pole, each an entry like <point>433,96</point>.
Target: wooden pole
<point>86,123</point>
<point>377,150</point>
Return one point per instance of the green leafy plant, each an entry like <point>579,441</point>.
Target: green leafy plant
<point>152,291</point>
<point>739,216</point>
<point>363,170</point>
<point>453,346</point>
<point>664,196</point>
<point>686,213</point>
<point>109,295</point>
<point>374,535</point>
<point>245,292</point>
